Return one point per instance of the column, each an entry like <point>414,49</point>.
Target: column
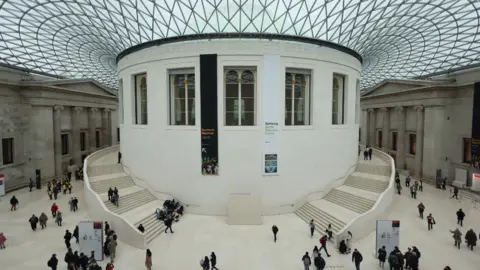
<point>385,129</point>
<point>76,153</point>
<point>401,138</point>
<point>57,140</point>
<point>105,141</point>
<point>372,123</point>
<point>92,126</point>
<point>419,146</point>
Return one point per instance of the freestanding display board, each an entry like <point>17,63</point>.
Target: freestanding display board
<point>91,238</point>
<point>388,235</point>
<point>2,184</point>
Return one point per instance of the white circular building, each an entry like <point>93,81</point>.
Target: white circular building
<point>205,117</point>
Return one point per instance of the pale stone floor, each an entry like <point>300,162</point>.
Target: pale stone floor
<point>238,247</point>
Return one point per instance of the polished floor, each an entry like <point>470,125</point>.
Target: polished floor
<point>239,247</point>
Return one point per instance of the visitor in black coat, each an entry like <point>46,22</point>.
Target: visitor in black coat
<point>168,222</point>
<point>213,260</point>
<point>357,258</point>
<point>53,262</point>
<point>75,234</point>
<point>460,217</point>
<point>319,262</point>
<point>13,203</point>
<point>83,261</point>
<point>382,256</point>
<point>67,237</point>
<point>206,263</point>
<point>33,222</point>
<point>275,231</point>
<point>141,228</point>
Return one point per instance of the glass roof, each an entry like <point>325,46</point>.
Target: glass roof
<point>396,38</point>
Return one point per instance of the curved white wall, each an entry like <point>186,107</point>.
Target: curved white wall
<point>169,157</point>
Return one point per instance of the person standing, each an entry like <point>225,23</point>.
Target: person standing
<point>393,261</point>
<point>53,262</point>
<point>430,221</point>
<point>67,237</point>
<point>59,218</point>
<point>33,222</point>
<point>319,262</point>
<point>382,256</point>
<point>54,209</point>
<point>43,220</point>
<point>112,248</point>
<point>312,228</point>
<point>306,261</point>
<point>407,181</point>
<point>75,234</point>
<point>13,203</point>
<point>275,231</point>
<point>357,259</point>
<point>323,243</point>
<point>370,152</point>
<point>205,263</point>
<point>421,208</point>
<point>119,157</point>
<point>30,185</point>
<point>213,260</point>
<point>148,259</point>
<point>329,232</point>
<point>460,217</point>
<point>3,239</point>
<point>457,237</point>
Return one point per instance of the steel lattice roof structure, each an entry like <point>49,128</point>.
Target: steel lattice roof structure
<point>396,38</point>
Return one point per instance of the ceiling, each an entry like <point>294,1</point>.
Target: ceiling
<point>396,38</point>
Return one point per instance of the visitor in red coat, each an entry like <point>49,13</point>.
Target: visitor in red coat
<point>109,266</point>
<point>54,209</point>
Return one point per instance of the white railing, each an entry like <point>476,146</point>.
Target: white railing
<point>97,210</point>
<point>364,224</point>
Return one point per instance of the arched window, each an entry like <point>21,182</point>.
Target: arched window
<point>297,98</point>
<point>239,97</point>
<point>141,100</point>
<point>182,97</point>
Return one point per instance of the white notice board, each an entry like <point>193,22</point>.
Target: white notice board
<point>388,235</point>
<point>2,185</point>
<point>91,238</point>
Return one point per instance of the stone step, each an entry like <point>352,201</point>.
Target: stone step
<point>373,169</point>
<point>104,169</point>
<point>349,201</point>
<point>372,176</point>
<point>120,182</point>
<point>106,176</point>
<point>321,219</point>
<point>366,184</point>
<point>130,201</point>
<point>153,227</point>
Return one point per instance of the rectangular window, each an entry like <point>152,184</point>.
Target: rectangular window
<point>338,99</point>
<point>357,104</point>
<point>120,100</point>
<point>467,150</point>
<point>394,141</point>
<point>83,141</point>
<point>118,135</point>
<point>380,139</point>
<point>64,144</point>
<point>412,142</point>
<point>97,138</point>
<point>140,100</point>
<point>297,97</point>
<point>182,97</point>
<point>8,151</point>
<point>240,89</point>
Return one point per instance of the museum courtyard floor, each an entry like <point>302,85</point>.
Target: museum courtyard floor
<point>239,247</point>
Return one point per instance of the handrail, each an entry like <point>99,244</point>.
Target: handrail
<point>372,213</point>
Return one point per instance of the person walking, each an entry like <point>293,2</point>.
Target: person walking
<point>75,234</point>
<point>30,185</point>
<point>370,152</point>
<point>275,231</point>
<point>168,223</point>
<point>205,263</point>
<point>54,209</point>
<point>357,258</point>
<point>148,260</point>
<point>59,218</point>
<point>3,239</point>
<point>306,261</point>
<point>67,237</point>
<point>457,237</point>
<point>421,208</point>
<point>33,222</point>
<point>323,243</point>
<point>430,221</point>
<point>382,256</point>
<point>460,217</point>
<point>407,181</point>
<point>112,248</point>
<point>455,193</point>
<point>13,203</point>
<point>471,239</point>
<point>319,262</point>
<point>312,228</point>
<point>53,262</point>
<point>213,260</point>
<point>43,220</point>
<point>119,157</point>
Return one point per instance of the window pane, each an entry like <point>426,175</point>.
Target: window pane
<point>288,118</point>
<point>467,150</point>
<point>248,104</point>
<point>248,119</point>
<point>191,112</point>
<point>412,144</point>
<point>231,119</point>
<point>8,150</point>
<point>247,77</point>
<point>140,112</point>
<point>231,104</point>
<point>64,139</point>
<point>297,99</point>
<point>231,90</point>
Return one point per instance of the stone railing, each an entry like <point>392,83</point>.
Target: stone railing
<point>97,210</point>
<point>364,224</point>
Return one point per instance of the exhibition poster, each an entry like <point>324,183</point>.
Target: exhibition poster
<point>91,238</point>
<point>2,184</point>
<point>387,234</point>
<point>271,112</point>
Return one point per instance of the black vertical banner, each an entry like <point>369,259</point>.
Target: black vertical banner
<point>476,124</point>
<point>209,115</point>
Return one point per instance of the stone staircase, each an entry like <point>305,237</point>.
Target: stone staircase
<point>321,219</point>
<point>104,169</point>
<point>153,227</point>
<point>102,186</point>
<point>130,201</point>
<point>358,180</point>
<point>341,205</point>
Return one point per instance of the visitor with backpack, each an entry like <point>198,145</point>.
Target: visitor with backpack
<point>323,243</point>
<point>306,261</point>
<point>319,262</point>
<point>357,258</point>
<point>53,262</point>
<point>392,261</point>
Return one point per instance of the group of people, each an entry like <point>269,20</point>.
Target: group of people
<point>398,260</point>
<point>209,263</point>
<point>417,185</point>
<point>171,212</point>
<point>367,153</point>
<point>79,173</point>
<point>110,245</point>
<point>113,195</point>
<point>55,187</point>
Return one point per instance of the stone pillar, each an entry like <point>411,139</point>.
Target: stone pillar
<point>76,153</point>
<point>419,146</point>
<point>57,140</point>
<point>400,159</point>
<point>372,123</point>
<point>105,141</point>
<point>92,126</point>
<point>385,129</point>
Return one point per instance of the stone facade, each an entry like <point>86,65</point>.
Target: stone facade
<point>36,112</point>
<point>422,123</point>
